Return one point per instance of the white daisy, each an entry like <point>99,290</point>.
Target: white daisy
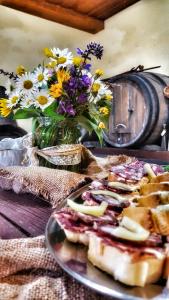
<point>43,99</point>
<point>64,57</point>
<point>10,86</point>
<point>13,99</point>
<point>27,101</point>
<point>99,90</point>
<point>86,72</point>
<point>27,84</point>
<point>41,75</point>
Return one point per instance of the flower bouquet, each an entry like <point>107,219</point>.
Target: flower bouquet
<point>61,95</point>
<point>62,89</point>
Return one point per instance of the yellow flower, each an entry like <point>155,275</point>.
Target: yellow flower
<point>95,87</point>
<point>61,60</point>
<point>77,60</point>
<point>4,110</point>
<point>109,97</point>
<point>14,99</point>
<point>52,64</point>
<point>62,76</point>
<point>104,111</point>
<point>48,52</point>
<point>20,70</point>
<point>101,125</point>
<point>99,72</point>
<point>56,90</point>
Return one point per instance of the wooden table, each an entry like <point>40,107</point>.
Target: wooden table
<point>22,215</point>
<point>26,215</point>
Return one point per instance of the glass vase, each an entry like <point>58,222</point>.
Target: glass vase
<point>48,133</point>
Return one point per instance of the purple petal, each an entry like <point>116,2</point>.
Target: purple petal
<point>79,51</point>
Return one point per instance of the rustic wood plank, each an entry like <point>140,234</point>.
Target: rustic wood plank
<point>8,230</point>
<point>100,9</point>
<point>57,13</point>
<point>27,212</point>
<point>108,8</point>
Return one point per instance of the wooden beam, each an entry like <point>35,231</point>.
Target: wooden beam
<point>57,14</point>
<point>108,8</point>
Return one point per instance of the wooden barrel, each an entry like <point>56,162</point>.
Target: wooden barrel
<point>139,109</point>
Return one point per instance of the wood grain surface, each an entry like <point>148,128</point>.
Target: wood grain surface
<point>22,215</point>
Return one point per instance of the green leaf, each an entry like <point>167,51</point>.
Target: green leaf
<point>91,125</point>
<point>84,122</point>
<point>98,131</point>
<point>50,111</point>
<point>166,168</point>
<point>25,113</point>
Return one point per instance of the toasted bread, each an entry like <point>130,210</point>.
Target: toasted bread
<point>154,187</point>
<point>141,215</point>
<point>77,237</point>
<point>126,266</point>
<point>161,178</point>
<point>154,199</point>
<point>72,235</point>
<point>160,221</point>
<point>114,177</point>
<point>166,265</point>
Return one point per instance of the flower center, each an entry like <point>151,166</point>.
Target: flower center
<point>14,99</point>
<point>42,100</point>
<point>109,97</point>
<point>28,84</point>
<point>40,77</point>
<point>95,87</point>
<point>61,60</point>
<point>77,60</point>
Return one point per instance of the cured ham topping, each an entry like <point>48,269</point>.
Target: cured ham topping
<point>129,246</point>
<point>154,240</point>
<point>135,170</point>
<point>96,184</point>
<point>79,222</point>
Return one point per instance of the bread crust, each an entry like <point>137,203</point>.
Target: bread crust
<point>122,265</point>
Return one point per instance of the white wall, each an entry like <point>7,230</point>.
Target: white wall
<point>137,35</point>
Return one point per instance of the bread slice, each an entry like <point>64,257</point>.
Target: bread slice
<point>75,236</point>
<point>166,265</point>
<point>114,177</point>
<point>134,268</point>
<point>160,220</point>
<point>161,178</point>
<point>141,215</point>
<point>154,187</point>
<point>154,199</point>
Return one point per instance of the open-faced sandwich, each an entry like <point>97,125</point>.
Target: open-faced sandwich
<point>124,222</point>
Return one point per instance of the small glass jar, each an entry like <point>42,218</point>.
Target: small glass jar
<point>48,133</point>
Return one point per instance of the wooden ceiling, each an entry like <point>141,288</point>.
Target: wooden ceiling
<point>87,15</point>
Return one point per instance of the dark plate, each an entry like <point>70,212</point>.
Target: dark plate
<point>73,259</point>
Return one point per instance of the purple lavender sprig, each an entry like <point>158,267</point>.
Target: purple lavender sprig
<point>11,75</point>
<point>94,49</point>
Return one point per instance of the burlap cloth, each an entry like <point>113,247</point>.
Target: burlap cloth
<point>27,270</point>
